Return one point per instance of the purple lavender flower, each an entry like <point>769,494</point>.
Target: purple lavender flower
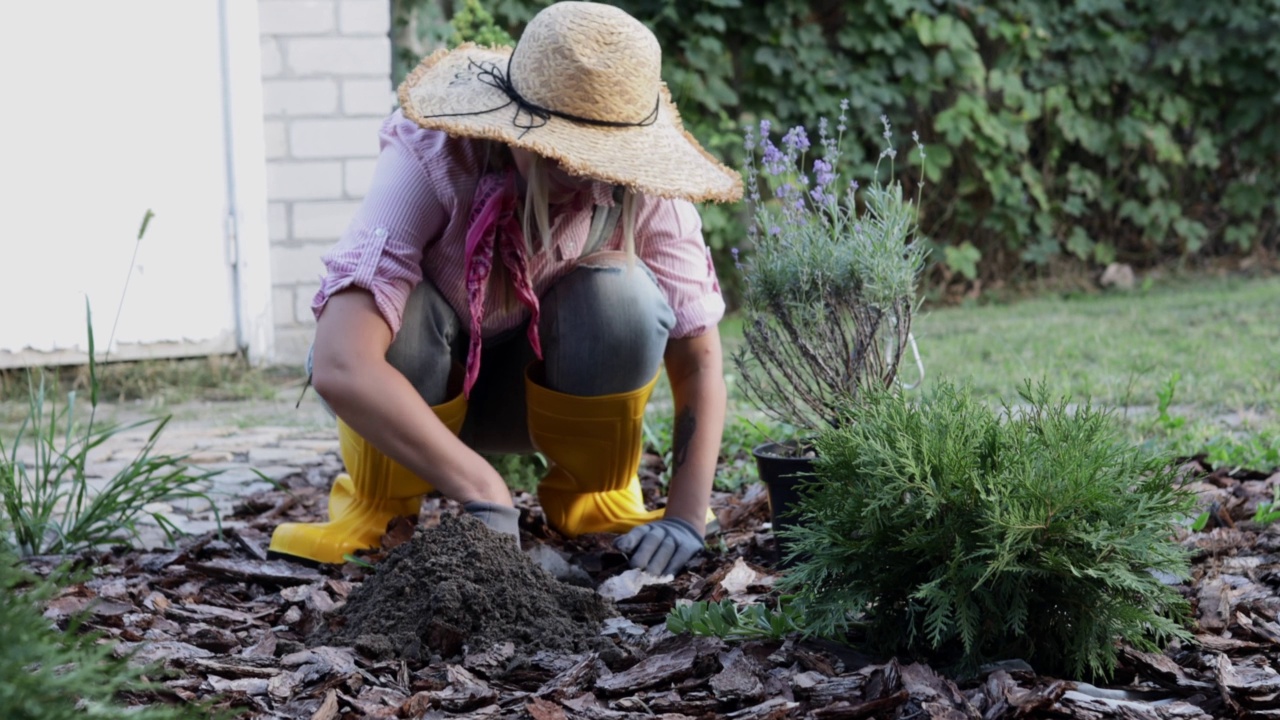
<point>783,191</point>
<point>765,126</point>
<point>822,173</point>
<point>775,230</point>
<point>734,252</point>
<point>775,163</point>
<point>796,139</point>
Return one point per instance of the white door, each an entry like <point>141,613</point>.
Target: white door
<point>112,109</point>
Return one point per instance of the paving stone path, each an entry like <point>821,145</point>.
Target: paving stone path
<point>250,444</point>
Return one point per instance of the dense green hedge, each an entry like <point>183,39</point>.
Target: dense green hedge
<point>1138,130</point>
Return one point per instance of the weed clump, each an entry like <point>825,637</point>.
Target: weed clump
<point>47,497</point>
<point>963,534</point>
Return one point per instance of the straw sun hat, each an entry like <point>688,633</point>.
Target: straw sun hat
<point>583,86</point>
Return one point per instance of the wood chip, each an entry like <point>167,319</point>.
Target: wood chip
<point>1219,643</point>
<point>849,710</point>
<point>1214,605</point>
<point>572,681</point>
<point>739,682</point>
<point>493,661</point>
<point>236,667</point>
<point>922,683</point>
<point>148,652</point>
<point>1162,669</point>
<point>270,572</point>
<point>1079,706</point>
<point>774,709</point>
<point>253,541</point>
<point>832,690</point>
<point>253,687</point>
<point>653,670</point>
<point>464,692</point>
<point>328,709</point>
<point>540,709</point>
<point>264,647</point>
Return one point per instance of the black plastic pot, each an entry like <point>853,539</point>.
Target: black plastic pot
<point>782,470</point>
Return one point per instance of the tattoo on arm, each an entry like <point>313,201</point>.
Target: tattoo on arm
<point>681,437</point>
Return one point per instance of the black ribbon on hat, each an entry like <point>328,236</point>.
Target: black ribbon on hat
<point>530,116</point>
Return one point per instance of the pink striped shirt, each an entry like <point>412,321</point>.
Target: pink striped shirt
<point>413,224</point>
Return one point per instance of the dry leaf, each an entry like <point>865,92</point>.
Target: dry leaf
<point>400,530</point>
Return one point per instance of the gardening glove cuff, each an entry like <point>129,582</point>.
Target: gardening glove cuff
<point>499,518</point>
<point>661,547</point>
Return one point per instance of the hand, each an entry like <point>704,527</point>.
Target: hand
<point>661,547</point>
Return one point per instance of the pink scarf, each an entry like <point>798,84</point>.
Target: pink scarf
<point>494,225</point>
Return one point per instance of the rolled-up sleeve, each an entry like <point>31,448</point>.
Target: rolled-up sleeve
<point>381,250</point>
<point>669,240</point>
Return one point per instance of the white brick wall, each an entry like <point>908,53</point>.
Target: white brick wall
<point>326,68</point>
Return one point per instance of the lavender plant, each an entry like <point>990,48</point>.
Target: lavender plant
<point>830,287</point>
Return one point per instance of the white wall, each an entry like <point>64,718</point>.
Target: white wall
<point>326,87</point>
<point>112,109</point>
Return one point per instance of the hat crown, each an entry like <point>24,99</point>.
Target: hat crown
<point>588,60</point>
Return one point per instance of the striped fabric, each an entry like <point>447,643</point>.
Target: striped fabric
<point>413,224</point>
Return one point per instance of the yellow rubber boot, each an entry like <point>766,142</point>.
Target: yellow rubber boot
<point>364,499</point>
<point>594,446</point>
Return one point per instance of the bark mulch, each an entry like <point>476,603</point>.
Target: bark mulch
<point>263,637</point>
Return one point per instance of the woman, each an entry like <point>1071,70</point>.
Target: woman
<point>526,258</point>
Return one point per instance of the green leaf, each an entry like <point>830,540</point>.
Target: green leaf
<point>963,259</point>
<point>1079,243</point>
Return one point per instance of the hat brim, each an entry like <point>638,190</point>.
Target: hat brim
<point>446,93</point>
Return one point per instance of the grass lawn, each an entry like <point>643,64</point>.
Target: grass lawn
<point>1222,337</point>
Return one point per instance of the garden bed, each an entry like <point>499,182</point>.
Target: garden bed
<point>240,629</point>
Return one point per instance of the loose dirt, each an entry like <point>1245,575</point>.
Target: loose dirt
<point>460,587</point>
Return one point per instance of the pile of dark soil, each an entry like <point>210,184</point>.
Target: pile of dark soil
<point>460,587</point>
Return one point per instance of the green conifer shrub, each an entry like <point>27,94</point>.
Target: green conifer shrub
<point>55,675</point>
<point>962,534</point>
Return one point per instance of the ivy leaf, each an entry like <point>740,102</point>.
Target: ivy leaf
<point>963,259</point>
<point>1079,243</point>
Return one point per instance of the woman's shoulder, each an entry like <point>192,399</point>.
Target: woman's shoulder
<point>439,153</point>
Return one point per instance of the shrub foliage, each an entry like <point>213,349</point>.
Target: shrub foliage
<point>1093,129</point>
<point>964,534</point>
<point>54,675</point>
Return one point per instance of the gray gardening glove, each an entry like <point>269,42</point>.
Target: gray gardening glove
<point>661,547</point>
<point>498,518</point>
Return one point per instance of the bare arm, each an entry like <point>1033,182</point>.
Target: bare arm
<point>351,373</point>
<point>695,367</point>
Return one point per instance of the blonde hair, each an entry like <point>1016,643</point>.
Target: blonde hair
<point>537,213</point>
<point>537,205</point>
<point>629,225</point>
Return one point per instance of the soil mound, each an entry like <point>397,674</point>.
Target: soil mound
<point>460,586</point>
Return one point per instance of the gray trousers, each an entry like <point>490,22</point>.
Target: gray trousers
<point>603,329</point>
